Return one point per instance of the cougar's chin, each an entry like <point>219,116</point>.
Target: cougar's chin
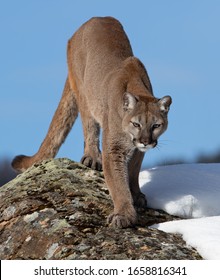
<point>143,148</point>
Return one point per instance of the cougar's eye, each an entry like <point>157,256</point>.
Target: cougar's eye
<point>135,124</point>
<point>156,125</point>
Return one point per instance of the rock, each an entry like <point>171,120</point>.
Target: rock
<point>57,210</point>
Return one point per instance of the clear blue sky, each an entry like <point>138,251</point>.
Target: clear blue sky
<point>178,41</point>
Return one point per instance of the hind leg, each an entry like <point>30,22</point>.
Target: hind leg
<point>91,129</point>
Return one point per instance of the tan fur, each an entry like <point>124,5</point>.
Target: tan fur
<point>111,90</point>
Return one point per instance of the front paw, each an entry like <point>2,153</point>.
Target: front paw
<point>140,201</point>
<point>94,163</point>
<point>125,220</point>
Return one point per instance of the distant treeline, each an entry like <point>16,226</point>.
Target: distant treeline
<point>203,158</point>
<point>7,173</point>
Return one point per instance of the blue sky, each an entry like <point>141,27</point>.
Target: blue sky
<point>178,41</point>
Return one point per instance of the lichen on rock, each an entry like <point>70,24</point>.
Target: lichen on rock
<point>57,209</point>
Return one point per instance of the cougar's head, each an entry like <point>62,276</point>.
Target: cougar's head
<point>145,119</point>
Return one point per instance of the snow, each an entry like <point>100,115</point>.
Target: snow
<point>192,192</point>
<point>202,234</point>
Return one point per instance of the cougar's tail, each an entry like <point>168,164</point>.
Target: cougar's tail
<point>60,126</point>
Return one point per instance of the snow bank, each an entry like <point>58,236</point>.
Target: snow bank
<point>188,191</point>
<point>185,190</point>
<point>202,234</point>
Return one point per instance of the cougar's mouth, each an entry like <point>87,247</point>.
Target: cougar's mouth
<point>145,147</point>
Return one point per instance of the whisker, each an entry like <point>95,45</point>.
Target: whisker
<point>158,147</point>
<point>161,144</point>
<point>169,141</point>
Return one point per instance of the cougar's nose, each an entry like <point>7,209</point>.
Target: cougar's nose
<point>145,141</point>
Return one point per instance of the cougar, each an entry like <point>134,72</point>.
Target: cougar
<point>110,88</point>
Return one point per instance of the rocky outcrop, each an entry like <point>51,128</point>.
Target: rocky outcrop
<point>57,210</point>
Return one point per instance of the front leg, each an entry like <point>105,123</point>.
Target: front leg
<point>116,176</point>
<point>134,167</point>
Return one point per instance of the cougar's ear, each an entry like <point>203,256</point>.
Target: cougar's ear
<point>129,101</point>
<point>165,103</point>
